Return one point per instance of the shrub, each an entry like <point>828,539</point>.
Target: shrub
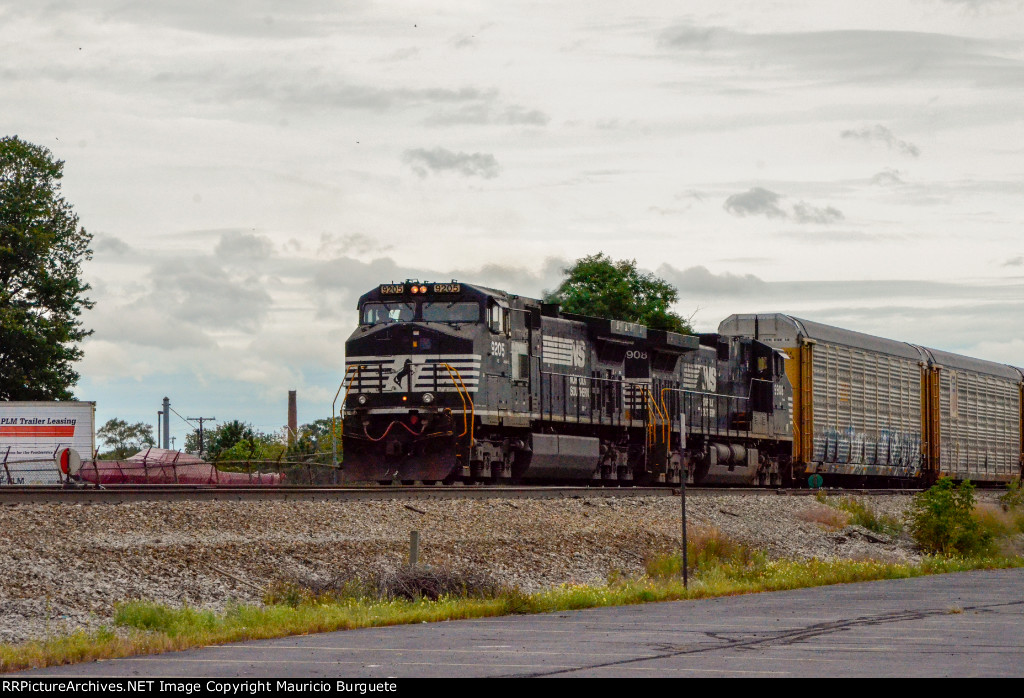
<point>942,520</point>
<point>1013,498</point>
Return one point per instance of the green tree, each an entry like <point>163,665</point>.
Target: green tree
<point>942,520</point>
<point>235,440</point>
<point>42,248</point>
<point>601,287</point>
<point>313,441</point>
<point>220,438</point>
<point>124,439</point>
<point>260,447</point>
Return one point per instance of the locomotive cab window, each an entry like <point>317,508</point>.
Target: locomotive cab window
<point>451,311</point>
<point>375,313</point>
<point>497,318</point>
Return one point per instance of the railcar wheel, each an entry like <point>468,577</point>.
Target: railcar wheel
<point>408,482</point>
<point>383,482</point>
<point>429,483</point>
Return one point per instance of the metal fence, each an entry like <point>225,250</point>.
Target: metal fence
<point>161,467</point>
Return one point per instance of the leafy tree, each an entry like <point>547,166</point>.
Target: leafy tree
<point>601,287</point>
<point>235,440</point>
<point>260,447</point>
<point>226,435</point>
<point>313,441</point>
<point>124,439</point>
<point>942,520</point>
<point>42,248</point>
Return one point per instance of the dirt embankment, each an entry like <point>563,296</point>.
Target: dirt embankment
<point>65,566</point>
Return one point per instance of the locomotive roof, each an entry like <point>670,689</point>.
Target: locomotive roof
<point>787,330</point>
<point>472,289</point>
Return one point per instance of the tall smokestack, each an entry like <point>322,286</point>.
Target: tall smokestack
<point>167,423</point>
<point>293,418</point>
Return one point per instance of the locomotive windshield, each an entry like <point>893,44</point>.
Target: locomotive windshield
<point>374,313</point>
<point>445,311</point>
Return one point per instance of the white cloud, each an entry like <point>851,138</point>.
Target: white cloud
<point>880,134</point>
<point>424,161</point>
<point>759,201</point>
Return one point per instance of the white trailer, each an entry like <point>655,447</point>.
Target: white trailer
<point>31,434</point>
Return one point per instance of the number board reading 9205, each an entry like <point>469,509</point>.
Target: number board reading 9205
<point>400,289</point>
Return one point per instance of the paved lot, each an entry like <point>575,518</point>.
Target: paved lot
<point>966,624</point>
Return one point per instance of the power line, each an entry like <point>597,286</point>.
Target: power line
<point>183,418</point>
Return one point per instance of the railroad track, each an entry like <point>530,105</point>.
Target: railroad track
<point>114,494</point>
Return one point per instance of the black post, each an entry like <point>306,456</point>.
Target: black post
<point>684,473</point>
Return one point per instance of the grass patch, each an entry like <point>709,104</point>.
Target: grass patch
<point>420,582</point>
<point>721,567</point>
<point>706,548</point>
<point>829,518</point>
<point>861,514</point>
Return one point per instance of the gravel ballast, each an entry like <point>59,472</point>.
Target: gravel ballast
<point>64,566</point>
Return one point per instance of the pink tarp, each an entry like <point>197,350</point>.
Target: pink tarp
<point>158,466</point>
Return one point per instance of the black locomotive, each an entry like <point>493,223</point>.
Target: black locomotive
<point>452,381</point>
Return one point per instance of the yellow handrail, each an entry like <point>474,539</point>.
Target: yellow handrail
<point>463,391</point>
<point>334,421</point>
<point>653,428</point>
<point>668,423</point>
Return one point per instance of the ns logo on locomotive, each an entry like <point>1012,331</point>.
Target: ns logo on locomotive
<point>454,381</point>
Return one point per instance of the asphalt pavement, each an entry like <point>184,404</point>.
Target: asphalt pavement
<point>963,624</point>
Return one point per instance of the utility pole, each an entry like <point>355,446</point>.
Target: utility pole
<point>201,420</point>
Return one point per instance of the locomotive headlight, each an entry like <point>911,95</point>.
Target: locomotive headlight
<point>428,398</point>
<point>361,399</point>
<point>423,289</point>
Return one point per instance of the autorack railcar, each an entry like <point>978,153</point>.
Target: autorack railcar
<point>871,407</point>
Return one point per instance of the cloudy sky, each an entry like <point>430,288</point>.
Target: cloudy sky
<point>250,168</point>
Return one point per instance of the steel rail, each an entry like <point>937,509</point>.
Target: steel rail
<point>26,494</point>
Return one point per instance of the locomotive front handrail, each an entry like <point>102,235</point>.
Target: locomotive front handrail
<point>334,422</point>
<point>464,395</point>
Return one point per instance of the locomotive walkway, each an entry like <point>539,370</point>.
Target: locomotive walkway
<point>964,624</point>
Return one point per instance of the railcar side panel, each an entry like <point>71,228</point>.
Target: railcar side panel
<point>978,418</point>
<point>867,412</point>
